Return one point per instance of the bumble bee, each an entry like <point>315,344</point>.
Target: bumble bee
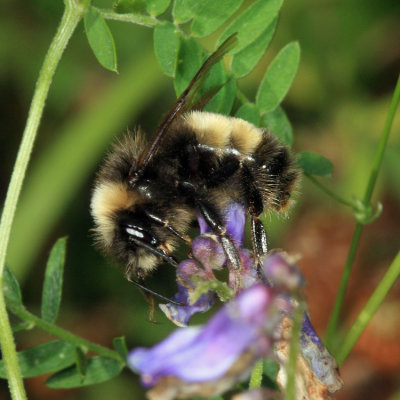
<point>146,195</point>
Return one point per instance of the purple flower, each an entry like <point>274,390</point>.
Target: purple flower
<point>234,219</point>
<point>208,256</point>
<point>180,315</point>
<point>321,362</point>
<point>280,272</point>
<point>241,331</point>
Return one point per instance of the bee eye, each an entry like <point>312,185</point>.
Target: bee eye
<point>134,232</point>
<point>138,234</point>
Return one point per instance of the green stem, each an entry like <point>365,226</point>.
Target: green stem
<point>382,144</point>
<point>55,330</point>
<point>369,310</point>
<point>333,322</point>
<point>137,19</point>
<point>72,14</point>
<point>15,382</point>
<point>328,191</point>
<point>290,392</point>
<point>256,375</point>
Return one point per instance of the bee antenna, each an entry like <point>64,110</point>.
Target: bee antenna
<point>160,296</point>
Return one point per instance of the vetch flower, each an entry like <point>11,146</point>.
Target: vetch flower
<point>322,363</point>
<point>234,219</point>
<point>181,315</point>
<point>316,373</point>
<point>207,360</point>
<point>197,285</point>
<point>280,272</point>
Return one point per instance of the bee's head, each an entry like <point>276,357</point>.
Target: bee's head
<point>124,230</point>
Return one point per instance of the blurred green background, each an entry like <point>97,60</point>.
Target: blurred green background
<point>337,106</point>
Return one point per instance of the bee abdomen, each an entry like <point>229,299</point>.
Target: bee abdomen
<point>274,171</point>
<point>220,131</point>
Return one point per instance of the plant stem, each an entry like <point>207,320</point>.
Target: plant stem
<point>15,382</point>
<point>369,310</point>
<point>55,330</point>
<point>328,191</point>
<point>290,392</point>
<point>137,19</point>
<point>72,14</point>
<point>382,144</point>
<point>333,322</point>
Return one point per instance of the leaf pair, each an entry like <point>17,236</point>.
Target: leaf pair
<point>255,27</point>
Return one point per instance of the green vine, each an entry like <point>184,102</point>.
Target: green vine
<point>55,330</point>
<point>334,320</point>
<point>73,13</point>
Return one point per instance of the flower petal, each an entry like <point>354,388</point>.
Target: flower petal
<point>235,220</point>
<point>281,272</point>
<point>205,354</point>
<point>180,315</point>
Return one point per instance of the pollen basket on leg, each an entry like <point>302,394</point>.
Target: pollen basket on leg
<point>109,198</point>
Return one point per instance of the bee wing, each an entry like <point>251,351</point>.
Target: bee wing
<point>185,102</point>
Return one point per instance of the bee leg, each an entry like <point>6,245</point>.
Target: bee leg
<point>255,207</point>
<point>214,221</point>
<point>158,250</point>
<point>164,223</point>
<point>258,238</point>
<point>153,293</point>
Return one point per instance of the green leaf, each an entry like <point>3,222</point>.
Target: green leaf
<point>278,78</point>
<point>98,369</point>
<point>11,290</point>
<point>228,95</point>
<point>314,164</point>
<point>184,10</point>
<point>270,372</point>
<point>44,358</point>
<point>278,123</point>
<point>190,59</point>
<point>212,14</point>
<point>222,101</point>
<point>157,7</point>
<point>100,39</point>
<point>166,47</point>
<point>252,22</point>
<point>244,61</point>
<point>250,113</point>
<point>53,279</point>
<point>120,346</point>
